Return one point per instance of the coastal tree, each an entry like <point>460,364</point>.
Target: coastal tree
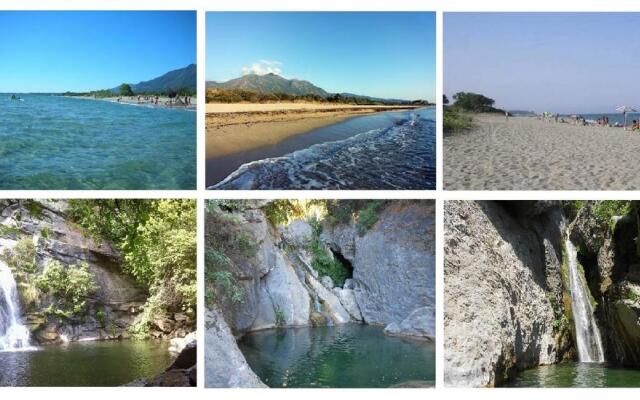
<point>445,99</point>
<point>125,90</point>
<point>473,102</point>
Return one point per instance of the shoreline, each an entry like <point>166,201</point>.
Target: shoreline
<point>524,153</point>
<point>235,128</point>
<point>162,102</point>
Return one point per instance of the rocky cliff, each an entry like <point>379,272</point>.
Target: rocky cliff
<point>503,290</point>
<point>36,235</point>
<point>608,251</point>
<point>389,272</point>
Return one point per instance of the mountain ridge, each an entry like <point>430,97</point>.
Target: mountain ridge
<point>173,80</point>
<point>272,83</point>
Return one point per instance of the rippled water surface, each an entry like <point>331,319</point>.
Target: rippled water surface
<point>84,364</point>
<point>345,356</point>
<point>389,150</point>
<point>50,142</point>
<point>577,375</point>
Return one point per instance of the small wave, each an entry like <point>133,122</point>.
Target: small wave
<point>398,157</point>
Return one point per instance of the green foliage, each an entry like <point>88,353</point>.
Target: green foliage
<point>605,210</point>
<point>46,232</point>
<point>227,242</point>
<point>101,317</point>
<point>561,321</point>
<point>157,239</point>
<point>229,285</point>
<point>69,286</point>
<point>125,90</point>
<point>322,259</point>
<point>632,295</point>
<point>368,216</point>
<point>22,258</point>
<point>283,211</point>
<point>34,208</point>
<point>219,95</point>
<point>455,121</point>
<point>473,102</point>
<point>8,230</point>
<point>280,320</point>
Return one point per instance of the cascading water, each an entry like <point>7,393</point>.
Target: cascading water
<point>13,334</point>
<point>587,333</point>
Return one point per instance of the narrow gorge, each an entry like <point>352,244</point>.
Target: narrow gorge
<point>75,309</point>
<point>320,293</point>
<point>542,293</point>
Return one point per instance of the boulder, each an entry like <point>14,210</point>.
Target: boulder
<point>332,306</point>
<point>327,282</point>
<point>420,323</point>
<point>225,365</point>
<point>347,299</point>
<point>297,233</point>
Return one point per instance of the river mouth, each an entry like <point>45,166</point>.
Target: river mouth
<point>84,364</point>
<point>343,356</point>
<point>584,375</point>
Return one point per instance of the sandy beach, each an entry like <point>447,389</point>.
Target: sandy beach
<point>163,102</point>
<point>232,128</point>
<point>530,154</point>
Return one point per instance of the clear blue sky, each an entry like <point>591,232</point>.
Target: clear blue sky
<point>556,62</point>
<point>389,55</point>
<point>59,50</point>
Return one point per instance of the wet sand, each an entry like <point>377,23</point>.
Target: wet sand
<point>529,154</point>
<point>234,128</point>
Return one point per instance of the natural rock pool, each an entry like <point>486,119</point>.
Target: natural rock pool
<point>577,375</point>
<point>344,356</point>
<point>84,364</point>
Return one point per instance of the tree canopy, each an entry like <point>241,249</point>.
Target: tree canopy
<point>125,90</point>
<point>474,102</point>
<point>157,240</point>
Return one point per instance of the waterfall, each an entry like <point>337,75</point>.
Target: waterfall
<point>13,335</point>
<point>587,333</point>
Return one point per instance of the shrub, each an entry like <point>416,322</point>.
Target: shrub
<point>69,286</point>
<point>368,216</point>
<point>326,265</point>
<point>455,121</point>
<point>22,258</point>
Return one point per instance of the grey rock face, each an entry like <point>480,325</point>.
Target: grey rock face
<point>55,239</point>
<point>394,263</point>
<point>297,233</point>
<point>284,301</point>
<point>420,323</point>
<point>225,366</point>
<point>500,271</point>
<point>332,305</point>
<point>348,300</point>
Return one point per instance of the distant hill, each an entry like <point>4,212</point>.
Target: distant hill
<point>172,80</point>
<point>271,83</point>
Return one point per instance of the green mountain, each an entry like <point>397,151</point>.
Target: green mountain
<point>171,81</point>
<point>270,83</point>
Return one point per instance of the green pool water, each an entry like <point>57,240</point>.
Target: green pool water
<point>577,375</point>
<point>345,356</point>
<point>84,364</point>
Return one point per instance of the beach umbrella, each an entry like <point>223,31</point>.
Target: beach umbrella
<point>625,110</point>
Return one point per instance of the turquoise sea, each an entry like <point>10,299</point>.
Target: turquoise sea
<point>52,142</point>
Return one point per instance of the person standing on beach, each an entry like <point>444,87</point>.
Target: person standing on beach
<point>506,115</point>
